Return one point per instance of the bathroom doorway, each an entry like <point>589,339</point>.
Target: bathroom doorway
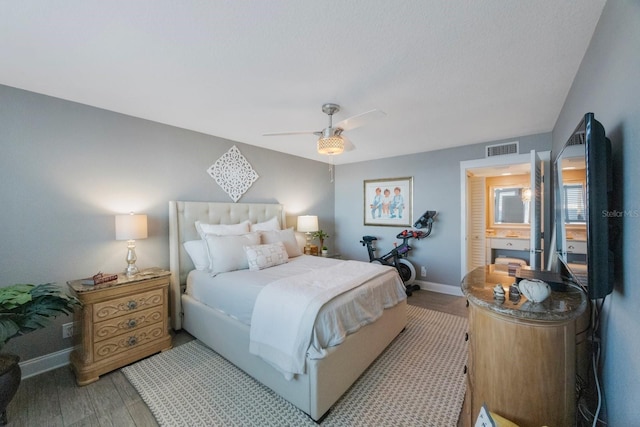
<point>502,214</point>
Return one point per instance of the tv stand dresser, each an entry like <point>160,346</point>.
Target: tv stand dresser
<point>522,359</point>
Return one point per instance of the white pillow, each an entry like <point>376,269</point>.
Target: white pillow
<point>285,236</point>
<point>264,256</point>
<point>197,250</point>
<point>222,229</point>
<point>271,224</point>
<point>226,253</point>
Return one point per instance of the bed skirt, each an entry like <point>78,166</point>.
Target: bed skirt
<point>325,380</point>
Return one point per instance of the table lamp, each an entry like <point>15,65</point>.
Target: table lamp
<point>130,228</point>
<point>308,224</point>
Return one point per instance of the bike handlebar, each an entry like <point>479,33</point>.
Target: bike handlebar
<point>411,234</point>
<point>426,219</point>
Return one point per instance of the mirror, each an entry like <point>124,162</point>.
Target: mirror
<point>583,245</point>
<point>510,205</point>
<point>573,176</point>
<point>574,200</point>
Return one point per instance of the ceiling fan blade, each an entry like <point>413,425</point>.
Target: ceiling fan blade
<point>360,119</point>
<point>348,145</point>
<point>304,132</point>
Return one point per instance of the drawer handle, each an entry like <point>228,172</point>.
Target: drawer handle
<point>132,323</point>
<point>571,247</point>
<point>132,305</point>
<point>132,341</point>
<point>509,244</point>
<point>466,336</point>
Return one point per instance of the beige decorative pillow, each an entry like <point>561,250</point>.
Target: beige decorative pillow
<point>287,237</point>
<point>265,256</point>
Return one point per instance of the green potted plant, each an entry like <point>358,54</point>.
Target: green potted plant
<point>321,236</point>
<point>25,308</point>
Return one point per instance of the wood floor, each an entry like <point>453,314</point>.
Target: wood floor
<point>54,399</point>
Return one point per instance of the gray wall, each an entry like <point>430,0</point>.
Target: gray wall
<point>436,186</point>
<point>66,169</point>
<point>608,85</point>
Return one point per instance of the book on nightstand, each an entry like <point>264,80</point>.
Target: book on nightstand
<point>99,278</point>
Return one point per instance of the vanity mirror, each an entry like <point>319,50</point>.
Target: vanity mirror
<point>509,201</point>
<point>510,205</point>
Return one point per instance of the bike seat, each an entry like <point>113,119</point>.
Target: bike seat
<point>369,238</point>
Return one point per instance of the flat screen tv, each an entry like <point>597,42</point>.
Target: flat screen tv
<point>582,208</point>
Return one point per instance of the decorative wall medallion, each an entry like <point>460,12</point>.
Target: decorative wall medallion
<point>233,173</point>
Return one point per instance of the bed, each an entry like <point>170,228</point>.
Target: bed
<point>325,379</point>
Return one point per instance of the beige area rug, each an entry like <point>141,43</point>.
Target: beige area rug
<point>417,381</point>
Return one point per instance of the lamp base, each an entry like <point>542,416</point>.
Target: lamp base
<point>131,269</point>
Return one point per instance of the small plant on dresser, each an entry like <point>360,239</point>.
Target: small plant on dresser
<point>321,236</point>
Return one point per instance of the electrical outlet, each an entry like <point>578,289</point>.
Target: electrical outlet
<point>68,330</point>
<point>423,271</point>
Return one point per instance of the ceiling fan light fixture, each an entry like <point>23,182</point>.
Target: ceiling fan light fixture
<point>330,145</point>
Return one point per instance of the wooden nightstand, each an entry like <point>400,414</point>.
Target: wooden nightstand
<point>121,322</point>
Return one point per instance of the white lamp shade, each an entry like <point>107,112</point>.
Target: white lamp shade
<point>131,227</point>
<point>307,223</point>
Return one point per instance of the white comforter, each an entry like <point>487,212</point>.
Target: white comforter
<point>286,310</point>
<point>235,294</point>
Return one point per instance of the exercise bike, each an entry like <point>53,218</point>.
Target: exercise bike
<point>396,257</point>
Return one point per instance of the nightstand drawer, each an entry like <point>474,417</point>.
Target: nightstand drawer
<point>127,323</point>
<point>125,305</point>
<point>126,342</point>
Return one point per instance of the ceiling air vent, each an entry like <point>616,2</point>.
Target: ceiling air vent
<point>501,149</point>
<point>576,139</point>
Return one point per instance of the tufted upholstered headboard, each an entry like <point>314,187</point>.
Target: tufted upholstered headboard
<point>182,218</point>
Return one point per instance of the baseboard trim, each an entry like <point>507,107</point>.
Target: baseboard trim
<point>439,288</point>
<point>48,362</point>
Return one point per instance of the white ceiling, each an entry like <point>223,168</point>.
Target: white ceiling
<point>446,72</point>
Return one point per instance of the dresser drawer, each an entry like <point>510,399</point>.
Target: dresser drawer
<point>127,323</point>
<point>511,244</point>
<point>576,247</point>
<point>125,342</point>
<point>126,305</point>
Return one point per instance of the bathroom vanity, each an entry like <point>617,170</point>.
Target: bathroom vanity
<point>514,247</point>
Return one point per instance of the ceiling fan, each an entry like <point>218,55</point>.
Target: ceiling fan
<point>331,141</point>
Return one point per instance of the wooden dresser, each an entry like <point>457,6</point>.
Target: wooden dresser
<point>121,322</point>
<point>522,356</point>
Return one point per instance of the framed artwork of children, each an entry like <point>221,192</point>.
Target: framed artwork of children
<point>388,202</point>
